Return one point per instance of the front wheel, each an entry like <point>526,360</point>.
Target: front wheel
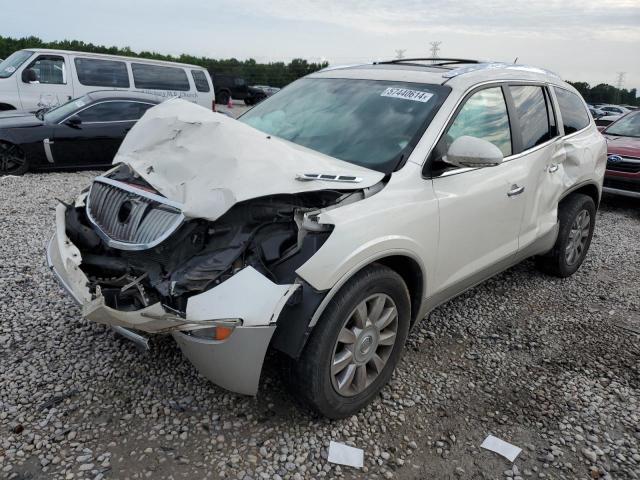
<point>577,218</point>
<point>13,161</point>
<point>356,345</point>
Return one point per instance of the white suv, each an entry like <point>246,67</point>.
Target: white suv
<point>331,217</point>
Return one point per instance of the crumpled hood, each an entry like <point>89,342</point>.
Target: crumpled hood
<point>208,162</point>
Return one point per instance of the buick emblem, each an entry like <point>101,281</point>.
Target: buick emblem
<point>614,159</point>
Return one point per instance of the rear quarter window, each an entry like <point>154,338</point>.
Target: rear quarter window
<point>200,80</point>
<point>158,77</point>
<point>572,110</point>
<point>102,73</point>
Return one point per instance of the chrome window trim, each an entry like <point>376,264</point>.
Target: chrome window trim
<point>143,193</point>
<point>106,101</point>
<point>591,119</point>
<point>498,83</point>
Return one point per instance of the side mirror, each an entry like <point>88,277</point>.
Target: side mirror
<point>74,121</point>
<point>473,152</point>
<point>29,75</point>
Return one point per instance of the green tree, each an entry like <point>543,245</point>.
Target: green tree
<point>277,74</point>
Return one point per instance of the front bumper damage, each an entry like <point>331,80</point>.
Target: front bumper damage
<point>248,300</point>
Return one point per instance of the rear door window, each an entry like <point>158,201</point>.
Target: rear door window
<point>200,79</point>
<point>158,77</point>
<point>50,69</point>
<point>532,114</point>
<point>572,110</point>
<point>484,115</point>
<point>102,73</point>
<point>116,111</point>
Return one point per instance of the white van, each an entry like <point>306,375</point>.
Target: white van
<point>35,78</point>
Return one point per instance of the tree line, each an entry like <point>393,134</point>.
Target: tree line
<point>275,74</point>
<point>603,93</point>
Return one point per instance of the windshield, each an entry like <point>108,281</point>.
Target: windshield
<point>371,123</point>
<point>57,114</point>
<point>12,62</point>
<point>627,126</point>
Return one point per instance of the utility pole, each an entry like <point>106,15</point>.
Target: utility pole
<point>400,53</point>
<point>619,84</point>
<point>435,48</point>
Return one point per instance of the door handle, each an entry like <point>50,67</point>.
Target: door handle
<point>553,168</point>
<point>515,190</point>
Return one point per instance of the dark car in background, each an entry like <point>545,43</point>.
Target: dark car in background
<point>623,156</point>
<point>227,87</point>
<point>84,132</point>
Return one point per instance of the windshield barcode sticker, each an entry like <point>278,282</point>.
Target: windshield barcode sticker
<point>407,94</point>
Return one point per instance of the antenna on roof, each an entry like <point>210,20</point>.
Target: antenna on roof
<point>400,53</point>
<point>516,60</point>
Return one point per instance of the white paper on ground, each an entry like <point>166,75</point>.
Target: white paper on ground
<point>510,452</point>
<point>345,455</point>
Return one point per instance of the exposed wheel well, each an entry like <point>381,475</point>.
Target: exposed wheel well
<point>589,189</point>
<point>412,275</point>
<point>6,106</point>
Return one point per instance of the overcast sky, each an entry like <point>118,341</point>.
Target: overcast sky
<point>588,40</point>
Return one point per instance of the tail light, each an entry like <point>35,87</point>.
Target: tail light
<point>213,104</point>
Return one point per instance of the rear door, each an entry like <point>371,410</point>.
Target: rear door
<point>54,84</point>
<point>542,153</point>
<point>96,140</point>
<point>480,209</point>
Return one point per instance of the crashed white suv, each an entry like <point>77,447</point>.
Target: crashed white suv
<point>331,217</point>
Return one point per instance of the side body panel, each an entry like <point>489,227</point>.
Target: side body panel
<point>38,95</point>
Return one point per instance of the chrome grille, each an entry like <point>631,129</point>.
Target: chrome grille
<point>621,163</point>
<point>129,218</point>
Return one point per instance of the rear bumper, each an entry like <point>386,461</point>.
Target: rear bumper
<point>234,363</point>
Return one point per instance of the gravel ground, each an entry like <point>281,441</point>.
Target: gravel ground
<point>550,365</point>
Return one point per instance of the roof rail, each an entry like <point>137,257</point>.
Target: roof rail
<point>440,61</point>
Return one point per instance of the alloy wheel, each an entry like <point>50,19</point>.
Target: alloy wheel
<point>364,345</point>
<point>11,159</point>
<point>578,237</point>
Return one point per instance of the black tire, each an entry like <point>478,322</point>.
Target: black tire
<point>248,101</point>
<point>312,378</point>
<point>556,262</point>
<point>13,161</point>
<point>223,98</point>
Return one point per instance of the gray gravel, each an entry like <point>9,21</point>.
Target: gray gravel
<point>549,365</point>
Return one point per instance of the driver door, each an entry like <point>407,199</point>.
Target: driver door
<point>480,209</point>
<point>53,86</point>
<point>97,138</point>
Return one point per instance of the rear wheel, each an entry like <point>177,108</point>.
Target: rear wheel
<point>223,97</point>
<point>356,345</point>
<point>577,217</point>
<point>13,161</point>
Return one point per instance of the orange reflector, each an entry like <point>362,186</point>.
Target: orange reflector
<point>222,333</point>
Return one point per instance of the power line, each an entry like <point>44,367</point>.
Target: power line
<point>619,84</point>
<point>435,48</point>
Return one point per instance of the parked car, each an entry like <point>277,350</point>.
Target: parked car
<point>230,86</point>
<point>332,217</point>
<point>596,112</point>
<point>623,156</point>
<point>83,132</point>
<point>606,120</point>
<point>268,91</point>
<point>614,109</point>
<point>36,78</point>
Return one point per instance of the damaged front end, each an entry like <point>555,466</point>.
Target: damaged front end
<point>133,261</point>
<point>198,232</point>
